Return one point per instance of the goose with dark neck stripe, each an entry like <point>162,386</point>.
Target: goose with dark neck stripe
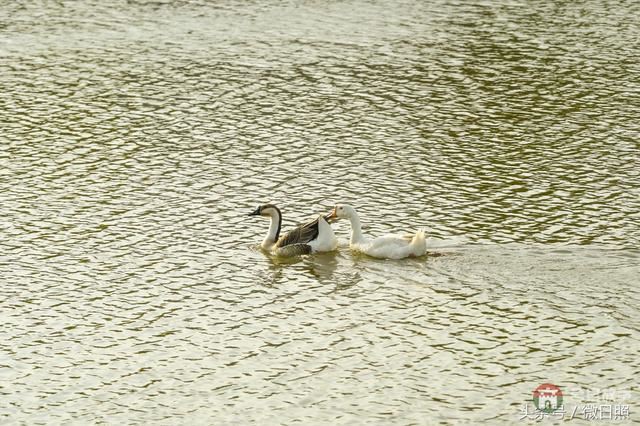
<point>311,237</point>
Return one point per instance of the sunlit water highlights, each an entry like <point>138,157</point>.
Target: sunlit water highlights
<point>136,138</point>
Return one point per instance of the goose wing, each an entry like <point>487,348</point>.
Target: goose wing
<point>299,235</point>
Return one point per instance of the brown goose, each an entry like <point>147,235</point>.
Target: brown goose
<point>311,237</point>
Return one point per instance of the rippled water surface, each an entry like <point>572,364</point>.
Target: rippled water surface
<point>136,136</point>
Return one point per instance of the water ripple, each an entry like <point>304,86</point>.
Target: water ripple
<point>138,136</point>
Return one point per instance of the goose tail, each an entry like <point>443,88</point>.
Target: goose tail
<point>419,242</point>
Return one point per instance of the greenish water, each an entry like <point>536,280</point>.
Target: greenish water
<point>136,136</point>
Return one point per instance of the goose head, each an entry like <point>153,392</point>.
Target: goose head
<point>341,211</point>
<point>268,210</point>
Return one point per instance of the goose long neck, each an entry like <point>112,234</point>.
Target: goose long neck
<point>274,228</point>
<point>356,229</point>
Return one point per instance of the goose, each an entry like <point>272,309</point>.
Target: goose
<point>311,237</point>
<point>386,246</point>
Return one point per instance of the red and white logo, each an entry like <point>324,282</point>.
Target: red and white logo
<point>547,397</point>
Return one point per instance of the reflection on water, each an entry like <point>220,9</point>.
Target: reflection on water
<point>136,136</point>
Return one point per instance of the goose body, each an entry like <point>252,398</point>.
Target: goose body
<point>314,236</point>
<point>386,246</point>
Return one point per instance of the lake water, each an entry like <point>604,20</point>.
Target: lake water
<point>136,137</point>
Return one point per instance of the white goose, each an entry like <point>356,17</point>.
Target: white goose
<point>387,246</point>
<point>311,237</point>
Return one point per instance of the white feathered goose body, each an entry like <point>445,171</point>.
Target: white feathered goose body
<point>387,246</point>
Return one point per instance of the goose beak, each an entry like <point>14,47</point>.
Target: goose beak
<point>256,212</point>
<point>331,216</point>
